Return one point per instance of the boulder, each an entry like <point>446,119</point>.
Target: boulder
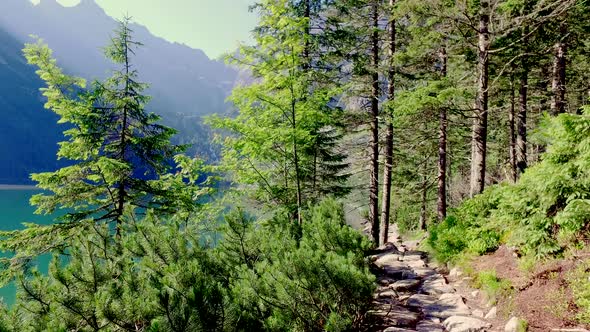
<point>429,326</point>
<point>405,285</point>
<point>477,313</point>
<point>455,273</point>
<point>515,324</point>
<point>492,314</point>
<point>447,305</point>
<point>465,324</point>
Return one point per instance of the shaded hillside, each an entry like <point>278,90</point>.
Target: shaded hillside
<point>27,132</point>
<point>185,83</point>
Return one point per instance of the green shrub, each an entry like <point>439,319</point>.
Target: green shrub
<point>543,214</point>
<point>314,279</point>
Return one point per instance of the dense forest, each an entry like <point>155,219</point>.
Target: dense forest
<point>466,120</point>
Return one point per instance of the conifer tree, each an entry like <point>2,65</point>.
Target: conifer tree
<point>117,149</point>
<point>282,140</point>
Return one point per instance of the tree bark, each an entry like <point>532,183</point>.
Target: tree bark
<point>480,121</point>
<point>441,208</point>
<point>521,133</point>
<point>423,204</point>
<point>512,131</point>
<point>374,127</point>
<point>559,67</point>
<point>388,167</point>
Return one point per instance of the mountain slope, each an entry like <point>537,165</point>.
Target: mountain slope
<point>27,133</point>
<point>184,83</point>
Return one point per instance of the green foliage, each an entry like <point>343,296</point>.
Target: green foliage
<point>282,142</point>
<point>544,213</point>
<point>493,286</point>
<point>117,149</point>
<point>578,282</point>
<point>319,282</point>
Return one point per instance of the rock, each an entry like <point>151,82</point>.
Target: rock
<point>414,255</point>
<point>569,330</point>
<point>389,293</point>
<point>409,274</point>
<point>396,272</point>
<point>416,263</point>
<point>396,329</point>
<point>465,324</point>
<point>477,313</point>
<point>388,259</point>
<point>420,300</point>
<point>397,316</point>
<point>515,324</point>
<point>424,272</point>
<point>455,273</point>
<point>429,326</point>
<point>389,247</point>
<point>436,287</point>
<point>492,314</point>
<point>447,305</point>
<point>405,285</point>
<point>475,293</point>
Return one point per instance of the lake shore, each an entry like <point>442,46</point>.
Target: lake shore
<point>17,187</point>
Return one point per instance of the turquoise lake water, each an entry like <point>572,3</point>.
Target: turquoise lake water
<point>14,210</point>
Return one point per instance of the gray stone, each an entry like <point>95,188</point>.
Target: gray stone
<point>465,324</point>
<point>477,313</point>
<point>405,285</point>
<point>436,287</point>
<point>429,326</point>
<point>492,314</point>
<point>515,324</point>
<point>397,316</point>
<point>396,272</point>
<point>396,329</point>
<point>475,293</point>
<point>420,300</point>
<point>414,255</point>
<point>388,259</point>
<point>447,305</point>
<point>424,272</point>
<point>416,263</point>
<point>455,273</point>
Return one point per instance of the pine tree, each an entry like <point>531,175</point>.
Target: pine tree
<point>117,149</point>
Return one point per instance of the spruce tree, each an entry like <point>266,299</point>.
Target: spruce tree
<point>116,148</point>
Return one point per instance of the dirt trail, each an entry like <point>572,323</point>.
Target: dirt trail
<point>414,296</point>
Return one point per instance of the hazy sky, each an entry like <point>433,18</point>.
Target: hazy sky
<point>215,26</point>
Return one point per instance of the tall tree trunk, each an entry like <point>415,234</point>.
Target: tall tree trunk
<point>512,131</point>
<point>441,208</point>
<point>374,140</point>
<point>521,134</point>
<point>387,169</point>
<point>480,121</point>
<point>122,193</point>
<point>424,191</point>
<point>296,158</point>
<point>559,66</point>
<point>543,105</point>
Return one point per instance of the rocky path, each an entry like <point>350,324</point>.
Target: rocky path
<point>414,296</point>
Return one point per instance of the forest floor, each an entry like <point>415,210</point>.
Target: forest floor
<point>415,294</point>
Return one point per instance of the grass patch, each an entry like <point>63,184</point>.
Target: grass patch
<point>579,281</point>
<point>494,287</point>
